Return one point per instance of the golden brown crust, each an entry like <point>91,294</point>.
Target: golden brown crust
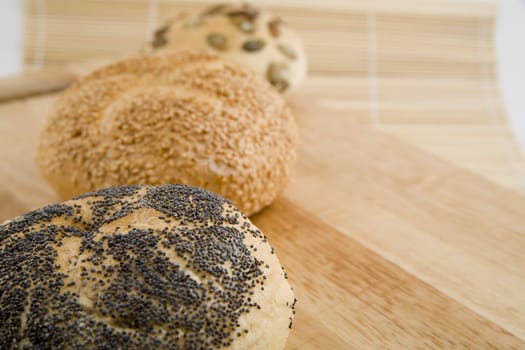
<point>136,267</point>
<point>182,117</point>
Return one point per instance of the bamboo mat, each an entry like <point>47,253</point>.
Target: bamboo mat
<point>421,70</point>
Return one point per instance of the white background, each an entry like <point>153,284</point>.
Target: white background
<point>510,44</point>
<point>510,48</point>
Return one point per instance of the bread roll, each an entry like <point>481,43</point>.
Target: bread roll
<point>243,34</point>
<point>184,117</point>
<point>141,267</point>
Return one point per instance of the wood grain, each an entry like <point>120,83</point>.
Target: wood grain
<point>10,206</point>
<point>386,246</point>
<point>432,219</point>
<point>352,298</point>
<point>20,125</point>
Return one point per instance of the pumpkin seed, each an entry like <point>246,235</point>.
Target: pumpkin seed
<point>159,37</point>
<point>274,27</point>
<point>253,45</point>
<point>277,75</point>
<point>247,11</point>
<point>243,24</point>
<point>287,51</point>
<point>247,27</point>
<point>217,41</point>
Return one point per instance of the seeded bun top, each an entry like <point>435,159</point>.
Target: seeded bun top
<point>177,117</point>
<point>243,34</point>
<point>170,267</point>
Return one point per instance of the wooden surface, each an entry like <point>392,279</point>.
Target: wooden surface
<point>421,70</point>
<point>386,246</point>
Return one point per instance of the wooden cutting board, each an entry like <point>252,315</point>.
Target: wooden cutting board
<point>386,246</point>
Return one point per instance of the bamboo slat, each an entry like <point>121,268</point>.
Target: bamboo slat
<point>421,70</point>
